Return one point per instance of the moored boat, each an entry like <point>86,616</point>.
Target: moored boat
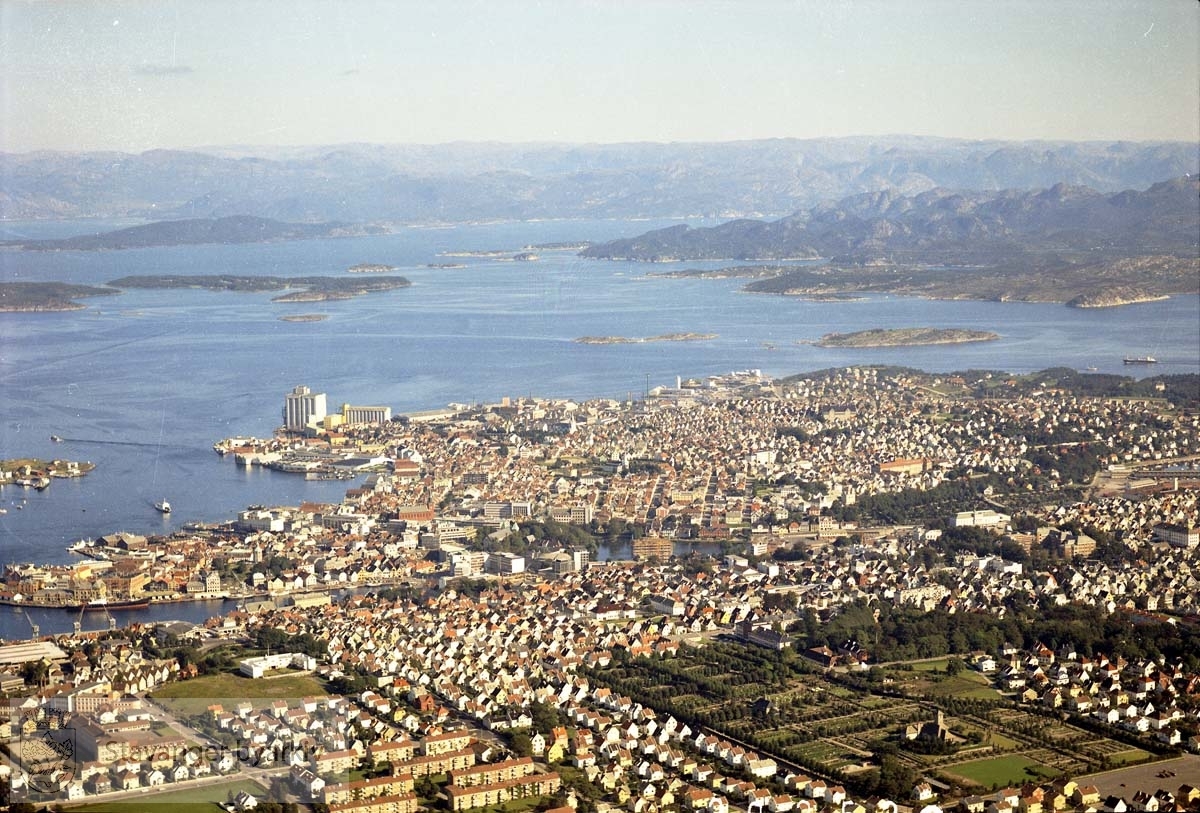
<point>121,604</point>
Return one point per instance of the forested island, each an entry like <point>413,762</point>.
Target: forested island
<point>314,289</point>
<point>1101,283</point>
<point>483,254</point>
<point>732,272</point>
<point>666,337</point>
<point>35,297</point>
<point>904,337</point>
<point>235,229</point>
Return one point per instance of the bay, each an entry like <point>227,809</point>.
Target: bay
<point>142,383</point>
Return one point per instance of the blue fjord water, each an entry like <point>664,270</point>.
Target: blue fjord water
<point>144,382</point>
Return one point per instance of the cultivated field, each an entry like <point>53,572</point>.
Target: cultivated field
<point>832,725</point>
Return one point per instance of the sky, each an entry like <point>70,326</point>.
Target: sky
<point>134,76</point>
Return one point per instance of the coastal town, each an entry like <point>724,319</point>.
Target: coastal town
<point>865,590</point>
<point>530,407</point>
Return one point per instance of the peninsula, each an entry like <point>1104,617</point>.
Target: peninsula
<point>1066,244</point>
<point>666,337</point>
<point>904,337</point>
<point>1112,297</point>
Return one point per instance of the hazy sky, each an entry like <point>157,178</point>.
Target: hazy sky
<point>139,75</point>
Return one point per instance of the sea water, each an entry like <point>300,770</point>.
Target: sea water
<point>144,382</point>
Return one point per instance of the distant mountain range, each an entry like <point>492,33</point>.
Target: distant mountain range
<point>235,229</point>
<point>947,226</point>
<point>480,181</point>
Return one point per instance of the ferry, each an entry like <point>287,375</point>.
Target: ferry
<point>164,507</point>
<point>1141,360</point>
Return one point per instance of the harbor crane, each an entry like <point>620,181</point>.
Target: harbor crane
<point>37,631</point>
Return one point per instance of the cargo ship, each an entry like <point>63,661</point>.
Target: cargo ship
<point>1141,360</point>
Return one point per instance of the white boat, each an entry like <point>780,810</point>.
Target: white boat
<point>163,506</point>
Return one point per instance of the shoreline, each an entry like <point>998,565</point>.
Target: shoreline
<point>903,337</point>
<point>157,601</point>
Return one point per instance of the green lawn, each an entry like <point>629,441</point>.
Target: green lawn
<point>1000,771</point>
<point>1130,757</point>
<point>931,666</point>
<point>1001,741</point>
<point>190,697</point>
<point>965,684</point>
<point>186,800</point>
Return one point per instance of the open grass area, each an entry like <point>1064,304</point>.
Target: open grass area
<point>965,684</point>
<point>204,799</point>
<point>931,666</point>
<point>1007,770</point>
<point>189,697</point>
<point>1003,742</point>
<point>1131,757</point>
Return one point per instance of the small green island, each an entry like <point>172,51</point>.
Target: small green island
<point>904,337</point>
<point>666,337</point>
<point>370,268</point>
